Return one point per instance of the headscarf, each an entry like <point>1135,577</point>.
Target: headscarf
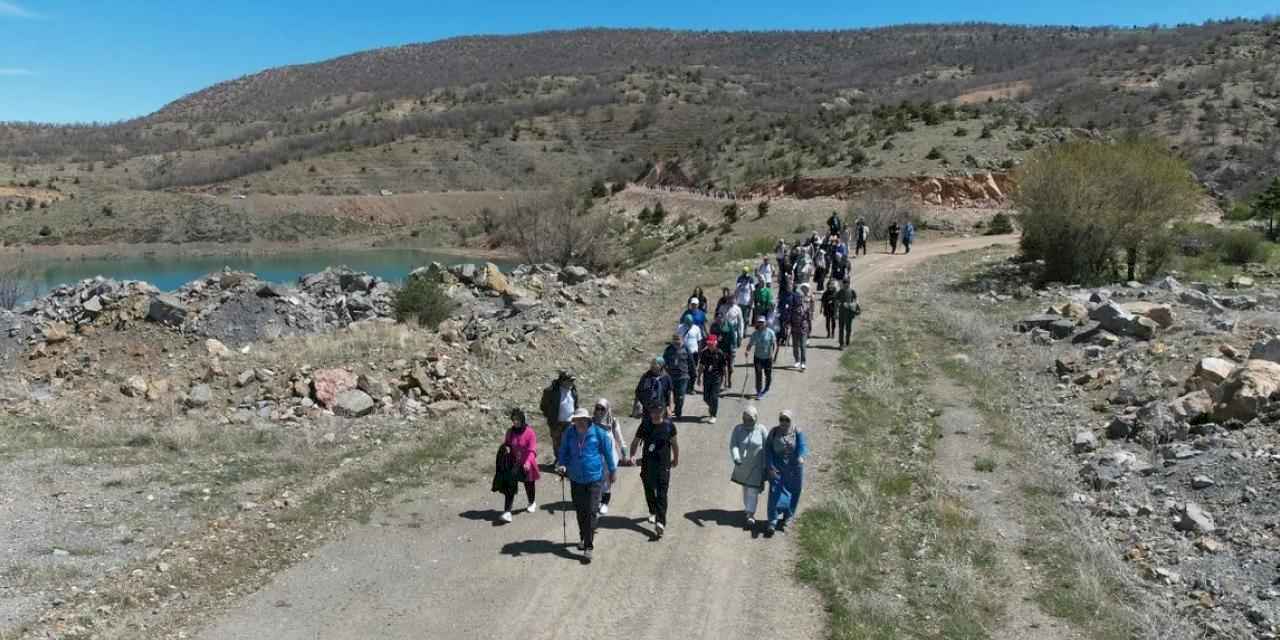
<point>608,412</point>
<point>750,415</point>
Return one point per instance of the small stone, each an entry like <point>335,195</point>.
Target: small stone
<point>1084,441</point>
<point>216,349</point>
<point>200,396</point>
<point>134,387</point>
<point>1201,482</point>
<point>1195,519</point>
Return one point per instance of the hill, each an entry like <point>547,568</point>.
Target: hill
<point>736,109</point>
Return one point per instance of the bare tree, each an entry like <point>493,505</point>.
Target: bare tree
<point>557,229</point>
<point>15,285</point>
<point>879,208</point>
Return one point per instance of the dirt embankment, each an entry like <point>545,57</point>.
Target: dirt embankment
<point>988,190</point>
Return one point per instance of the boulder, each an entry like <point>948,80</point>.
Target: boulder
<point>328,384</point>
<point>494,279</point>
<point>1115,319</point>
<point>1200,300</point>
<point>353,403</point>
<point>574,275</point>
<point>1122,426</point>
<point>1039,321</point>
<point>1210,372</point>
<point>134,387</point>
<point>1266,350</point>
<point>1161,313</point>
<point>1072,310</point>
<point>375,386</point>
<point>1169,283</point>
<point>1062,329</point>
<point>216,349</point>
<point>1240,282</point>
<point>245,378</point>
<point>56,332</point>
<point>443,408</point>
<point>1192,406</point>
<point>92,306</point>
<point>167,310</point>
<point>1195,519</point>
<point>1084,442</point>
<point>199,396</point>
<point>1248,391</point>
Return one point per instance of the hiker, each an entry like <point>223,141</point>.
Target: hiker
<point>692,336</point>
<point>695,315</point>
<point>800,320</point>
<point>714,365</point>
<point>908,236</point>
<point>847,307</point>
<point>785,299</point>
<point>764,272</point>
<point>677,362</point>
<point>894,232</point>
<point>521,444</point>
<point>780,250</point>
<point>702,299</point>
<point>746,450</point>
<point>860,233</point>
<point>829,310</point>
<point>784,451</point>
<point>559,401</point>
<point>728,337</point>
<point>763,346</point>
<point>722,306</point>
<point>656,439</point>
<point>744,295</point>
<point>763,303</point>
<point>603,417</point>
<point>587,458</point>
<point>820,269</point>
<point>655,389</point>
<point>835,224</point>
<point>839,269</point>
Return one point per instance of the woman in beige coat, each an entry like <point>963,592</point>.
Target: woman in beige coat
<point>746,450</point>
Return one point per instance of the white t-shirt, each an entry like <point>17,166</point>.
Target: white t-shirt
<point>734,316</point>
<point>692,339</point>
<point>566,404</point>
<point>744,292</point>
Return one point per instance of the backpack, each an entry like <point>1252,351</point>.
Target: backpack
<point>649,394</point>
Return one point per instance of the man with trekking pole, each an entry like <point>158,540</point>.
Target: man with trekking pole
<point>586,457</point>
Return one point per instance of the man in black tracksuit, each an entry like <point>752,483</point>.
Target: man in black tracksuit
<point>661,454</point>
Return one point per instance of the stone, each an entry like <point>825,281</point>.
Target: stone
<point>1161,313</point>
<point>1072,310</point>
<point>1158,419</point>
<point>353,403</point>
<point>1039,321</point>
<point>573,274</point>
<point>1122,426</point>
<point>270,290</point>
<point>167,310</point>
<point>200,396</point>
<point>1202,482</point>
<point>1200,300</point>
<point>1094,352</point>
<point>1195,519</point>
<point>1240,282</point>
<point>245,378</point>
<point>157,390</point>
<point>1268,349</point>
<point>1144,327</point>
<point>328,384</point>
<point>1114,318</point>
<point>1065,366</point>
<point>1209,373</point>
<point>443,408</point>
<point>56,332</point>
<point>373,385</point>
<point>1192,406</point>
<point>1062,329</point>
<point>92,306</point>
<point>1084,442</point>
<point>216,349</point>
<point>1248,391</point>
<point>1169,283</point>
<point>494,279</point>
<point>134,387</point>
<point>1102,476</point>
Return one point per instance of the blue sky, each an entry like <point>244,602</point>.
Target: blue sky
<point>100,60</point>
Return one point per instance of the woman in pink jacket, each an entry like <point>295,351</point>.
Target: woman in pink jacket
<point>524,448</point>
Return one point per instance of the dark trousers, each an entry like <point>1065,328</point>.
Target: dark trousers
<point>861,247</point>
<point>510,498</point>
<point>656,482</point>
<point>906,244</point>
<point>586,501</point>
<point>846,328</point>
<point>711,395</point>
<point>679,387</point>
<point>831,324</point>
<point>695,360</point>
<point>557,434</point>
<point>764,374</point>
<point>893,244</point>
<point>820,277</point>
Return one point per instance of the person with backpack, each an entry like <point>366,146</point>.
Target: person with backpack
<point>678,367</point>
<point>714,366</point>
<point>908,236</point>
<point>603,417</point>
<point>829,310</point>
<point>785,451</point>
<point>744,293</point>
<point>728,337</point>
<point>723,305</point>
<point>746,450</point>
<point>894,232</point>
<point>835,224</point>
<point>785,299</point>
<point>692,336</point>
<point>694,315</point>
<point>655,389</point>
<point>764,301</point>
<point>521,445</point>
<point>860,234</point>
<point>848,308</point>
<point>656,439</point>
<point>559,401</point>
<point>702,300</point>
<point>764,272</point>
<point>763,347</point>
<point>820,269</point>
<point>586,457</point>
<point>799,319</point>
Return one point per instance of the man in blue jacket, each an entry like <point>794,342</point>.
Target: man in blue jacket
<point>586,456</point>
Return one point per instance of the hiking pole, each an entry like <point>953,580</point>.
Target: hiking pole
<point>564,515</point>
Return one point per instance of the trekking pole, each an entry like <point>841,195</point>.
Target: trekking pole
<point>564,515</point>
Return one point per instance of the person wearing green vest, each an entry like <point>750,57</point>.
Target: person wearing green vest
<point>847,307</point>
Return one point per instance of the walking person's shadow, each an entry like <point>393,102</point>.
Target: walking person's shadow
<point>721,518</point>
<point>539,547</point>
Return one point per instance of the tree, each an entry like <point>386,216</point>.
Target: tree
<point>1267,206</point>
<point>1086,206</point>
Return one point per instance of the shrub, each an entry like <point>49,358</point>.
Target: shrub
<point>422,301</point>
<point>659,213</point>
<point>934,154</point>
<point>986,133</point>
<point>961,132</point>
<point>553,229</point>
<point>15,285</point>
<point>598,189</point>
<point>1240,246</point>
<point>1001,224</point>
<point>1088,207</point>
<point>46,231</point>
<point>762,209</point>
<point>731,212</point>
<point>646,216</point>
<point>644,248</point>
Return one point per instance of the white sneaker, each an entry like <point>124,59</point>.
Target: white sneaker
<point>652,519</point>
<point>804,365</point>
<point>712,420</point>
<point>604,509</point>
<point>506,516</point>
<point>533,508</point>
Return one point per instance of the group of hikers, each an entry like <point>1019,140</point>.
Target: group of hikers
<point>589,446</point>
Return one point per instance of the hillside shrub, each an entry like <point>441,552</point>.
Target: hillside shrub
<point>1240,246</point>
<point>762,209</point>
<point>934,154</point>
<point>424,302</point>
<point>1001,224</point>
<point>961,132</point>
<point>731,212</point>
<point>15,285</point>
<point>1088,208</point>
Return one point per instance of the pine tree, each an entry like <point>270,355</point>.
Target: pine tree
<point>1267,205</point>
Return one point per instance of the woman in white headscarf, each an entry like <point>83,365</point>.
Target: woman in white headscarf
<point>746,450</point>
<point>604,418</point>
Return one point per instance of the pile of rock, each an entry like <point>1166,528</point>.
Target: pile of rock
<point>93,301</point>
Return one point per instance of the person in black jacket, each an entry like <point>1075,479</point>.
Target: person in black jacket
<point>653,390</point>
<point>559,401</point>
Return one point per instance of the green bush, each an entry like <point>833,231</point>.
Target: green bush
<point>422,301</point>
<point>762,209</point>
<point>644,248</point>
<point>1240,246</point>
<point>731,212</point>
<point>934,154</point>
<point>1001,224</point>
<point>961,132</point>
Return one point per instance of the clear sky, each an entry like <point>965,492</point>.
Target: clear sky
<point>100,60</point>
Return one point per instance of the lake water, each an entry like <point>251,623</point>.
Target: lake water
<point>171,272</point>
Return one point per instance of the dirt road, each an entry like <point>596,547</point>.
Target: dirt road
<point>436,566</point>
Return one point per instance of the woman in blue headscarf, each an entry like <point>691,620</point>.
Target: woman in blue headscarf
<point>784,451</point>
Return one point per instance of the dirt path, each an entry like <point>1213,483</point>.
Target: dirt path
<point>435,566</point>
